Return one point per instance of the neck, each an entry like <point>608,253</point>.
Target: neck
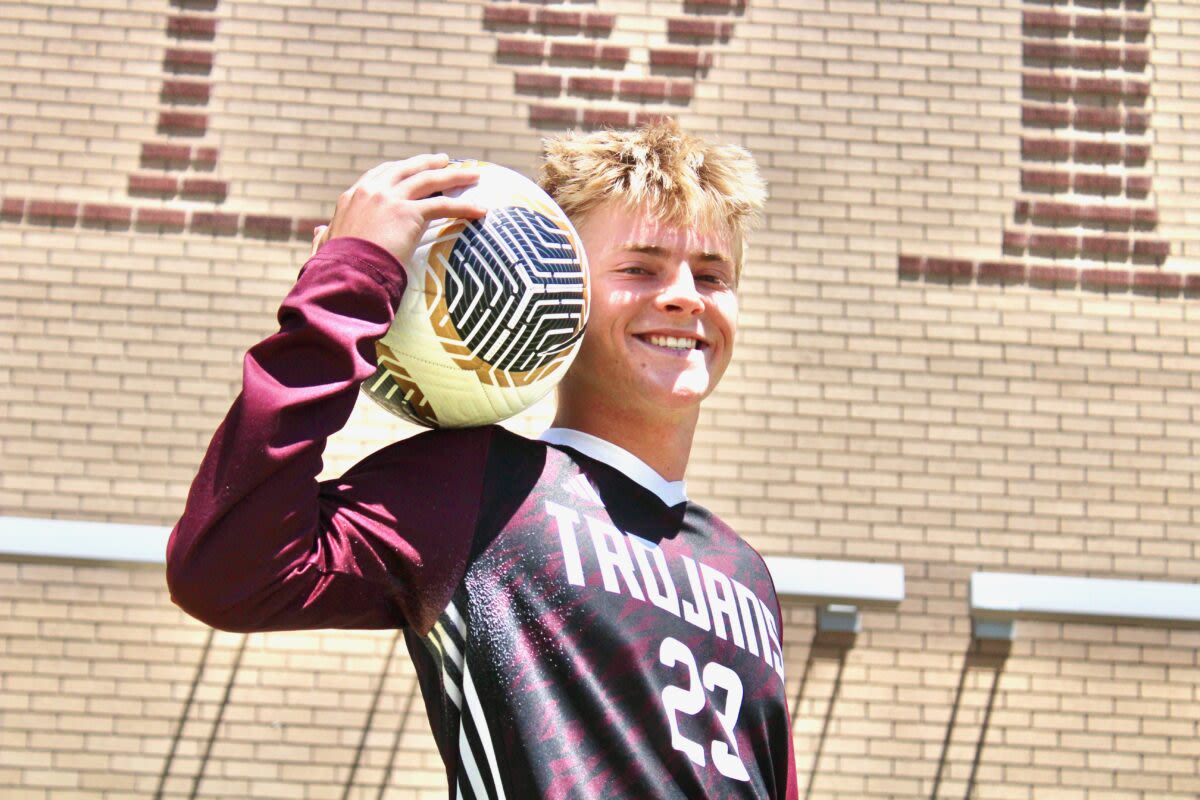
<point>664,443</point>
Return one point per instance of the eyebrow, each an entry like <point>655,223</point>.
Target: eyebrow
<point>654,250</point>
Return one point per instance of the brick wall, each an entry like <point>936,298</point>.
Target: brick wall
<point>915,382</point>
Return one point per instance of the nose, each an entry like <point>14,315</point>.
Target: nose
<point>679,294</point>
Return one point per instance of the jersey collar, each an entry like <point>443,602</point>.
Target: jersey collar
<point>670,492</point>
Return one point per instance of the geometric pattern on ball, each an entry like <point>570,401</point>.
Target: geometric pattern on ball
<point>494,312</point>
<point>514,294</point>
<point>392,387</point>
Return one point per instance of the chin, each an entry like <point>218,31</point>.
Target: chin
<point>682,396</point>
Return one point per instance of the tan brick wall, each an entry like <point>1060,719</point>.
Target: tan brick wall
<point>946,424</point>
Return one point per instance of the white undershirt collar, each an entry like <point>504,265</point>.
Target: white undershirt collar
<point>670,492</point>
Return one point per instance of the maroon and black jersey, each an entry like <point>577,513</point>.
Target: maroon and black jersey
<point>580,629</point>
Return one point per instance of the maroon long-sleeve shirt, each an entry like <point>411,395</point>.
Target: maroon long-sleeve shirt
<point>580,630</point>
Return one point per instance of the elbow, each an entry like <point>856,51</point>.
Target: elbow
<point>203,593</point>
<point>196,597</point>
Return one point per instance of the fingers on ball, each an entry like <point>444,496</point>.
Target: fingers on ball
<point>383,176</point>
<point>403,170</point>
<point>435,181</point>
<point>439,207</point>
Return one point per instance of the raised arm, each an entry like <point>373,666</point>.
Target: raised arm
<point>261,544</point>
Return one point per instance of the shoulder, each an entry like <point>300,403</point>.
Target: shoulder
<point>430,461</point>
<point>463,447</point>
<point>513,451</point>
<point>491,445</point>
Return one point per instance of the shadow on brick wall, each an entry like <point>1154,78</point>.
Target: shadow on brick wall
<point>823,648</point>
<point>360,749</point>
<point>978,658</point>
<point>188,704</point>
<point>183,716</point>
<point>208,667</point>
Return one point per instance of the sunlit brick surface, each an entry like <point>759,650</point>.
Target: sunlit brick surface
<point>906,389</point>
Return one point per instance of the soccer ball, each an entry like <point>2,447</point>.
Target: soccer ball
<point>494,311</point>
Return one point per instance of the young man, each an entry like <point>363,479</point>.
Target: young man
<point>580,628</point>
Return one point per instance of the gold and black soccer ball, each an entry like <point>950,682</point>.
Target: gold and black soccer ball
<point>494,311</point>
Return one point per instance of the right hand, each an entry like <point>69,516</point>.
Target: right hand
<point>392,204</point>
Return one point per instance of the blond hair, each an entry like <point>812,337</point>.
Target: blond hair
<point>679,178</point>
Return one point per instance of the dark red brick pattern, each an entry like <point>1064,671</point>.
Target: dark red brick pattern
<point>1087,198</point>
<point>568,48</point>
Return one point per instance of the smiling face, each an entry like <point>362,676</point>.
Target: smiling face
<point>663,317</point>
